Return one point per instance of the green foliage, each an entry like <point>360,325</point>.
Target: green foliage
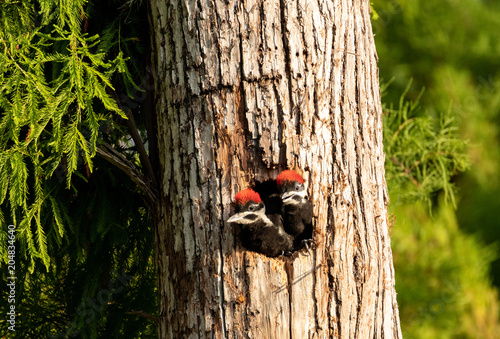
<point>451,48</point>
<point>422,154</point>
<point>54,84</point>
<point>442,273</point>
<point>442,277</point>
<point>63,80</point>
<point>101,273</point>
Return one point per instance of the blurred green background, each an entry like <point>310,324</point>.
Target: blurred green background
<point>446,255</point>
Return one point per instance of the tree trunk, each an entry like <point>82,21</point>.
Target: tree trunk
<point>245,89</point>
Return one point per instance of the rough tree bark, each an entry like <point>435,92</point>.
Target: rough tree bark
<point>245,89</point>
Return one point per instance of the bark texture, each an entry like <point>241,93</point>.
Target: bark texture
<point>245,89</point>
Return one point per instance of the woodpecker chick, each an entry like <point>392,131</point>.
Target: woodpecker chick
<point>259,232</point>
<point>270,195</point>
<point>297,210</point>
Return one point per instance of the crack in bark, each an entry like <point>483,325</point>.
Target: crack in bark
<point>289,276</point>
<point>286,52</point>
<point>343,144</point>
<point>332,296</point>
<point>314,289</point>
<point>331,260</point>
<point>358,142</point>
<point>247,283</point>
<point>282,144</point>
<point>221,223</point>
<point>300,16</point>
<point>218,173</point>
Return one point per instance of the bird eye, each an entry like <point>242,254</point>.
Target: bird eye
<point>297,187</point>
<point>251,208</point>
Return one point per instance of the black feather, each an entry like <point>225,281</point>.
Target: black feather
<point>270,240</point>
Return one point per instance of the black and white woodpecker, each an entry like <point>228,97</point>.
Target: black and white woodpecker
<point>260,232</point>
<point>297,210</point>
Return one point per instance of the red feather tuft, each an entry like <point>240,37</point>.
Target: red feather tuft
<point>244,196</point>
<point>289,175</point>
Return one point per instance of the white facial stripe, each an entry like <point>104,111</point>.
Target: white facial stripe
<point>287,195</point>
<point>294,198</point>
<point>241,218</point>
<point>292,202</point>
<point>238,216</point>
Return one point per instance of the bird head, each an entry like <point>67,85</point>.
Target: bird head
<point>291,187</point>
<point>249,207</point>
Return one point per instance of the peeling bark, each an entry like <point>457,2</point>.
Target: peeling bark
<point>245,89</point>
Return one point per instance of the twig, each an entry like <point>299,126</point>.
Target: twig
<point>407,172</point>
<point>134,132</point>
<point>114,157</point>
<point>145,315</point>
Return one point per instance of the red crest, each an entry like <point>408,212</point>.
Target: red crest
<point>244,196</point>
<point>289,175</point>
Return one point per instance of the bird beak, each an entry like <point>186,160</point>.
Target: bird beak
<point>293,197</point>
<point>235,218</point>
<point>243,218</point>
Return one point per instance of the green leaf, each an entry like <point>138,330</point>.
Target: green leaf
<point>57,216</point>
